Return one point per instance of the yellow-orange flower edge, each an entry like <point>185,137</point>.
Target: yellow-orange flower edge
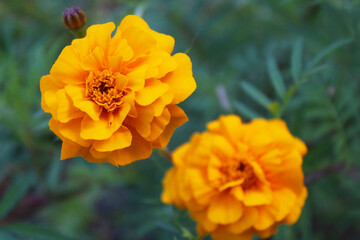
<point>239,179</point>
<point>113,98</point>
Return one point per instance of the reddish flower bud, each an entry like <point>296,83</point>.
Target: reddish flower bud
<point>74,18</point>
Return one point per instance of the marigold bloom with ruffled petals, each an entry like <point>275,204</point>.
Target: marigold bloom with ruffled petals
<point>239,179</point>
<point>113,98</point>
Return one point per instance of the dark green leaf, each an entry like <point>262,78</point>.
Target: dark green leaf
<point>256,94</point>
<point>275,77</point>
<point>296,60</point>
<point>327,51</point>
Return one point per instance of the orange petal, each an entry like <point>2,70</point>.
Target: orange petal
<point>223,234</point>
<point>48,88</point>
<point>295,212</point>
<point>225,209</point>
<point>107,124</point>
<point>67,68</point>
<point>139,149</point>
<point>249,217</point>
<point>65,109</point>
<point>95,60</point>
<point>265,220</point>
<point>152,91</point>
<point>118,140</point>
<point>178,118</point>
<point>69,131</point>
<point>99,35</point>
<point>158,125</point>
<point>70,150</point>
<point>77,94</point>
<point>181,81</point>
<point>120,48</point>
<point>164,42</point>
<point>139,40</point>
<point>161,102</point>
<point>257,196</point>
<point>201,218</point>
<point>136,78</point>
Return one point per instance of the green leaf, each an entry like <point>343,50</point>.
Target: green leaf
<point>275,77</point>
<point>256,94</point>
<point>34,232</point>
<point>14,194</point>
<point>296,60</point>
<point>246,111</point>
<point>315,70</point>
<point>327,51</point>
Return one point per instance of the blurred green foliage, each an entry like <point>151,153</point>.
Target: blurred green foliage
<point>295,59</point>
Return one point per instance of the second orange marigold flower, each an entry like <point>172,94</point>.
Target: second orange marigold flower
<point>239,179</point>
<point>113,99</point>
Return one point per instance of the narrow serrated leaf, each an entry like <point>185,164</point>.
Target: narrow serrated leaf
<point>15,192</point>
<point>296,60</point>
<point>315,70</point>
<point>327,51</point>
<point>275,77</point>
<point>256,94</point>
<point>246,111</point>
<point>34,232</point>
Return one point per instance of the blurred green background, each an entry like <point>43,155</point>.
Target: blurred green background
<point>298,59</point>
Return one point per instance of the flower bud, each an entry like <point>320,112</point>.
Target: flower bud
<point>74,18</point>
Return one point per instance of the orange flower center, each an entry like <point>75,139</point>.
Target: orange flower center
<point>240,170</point>
<point>106,88</point>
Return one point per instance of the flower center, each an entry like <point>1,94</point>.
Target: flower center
<point>240,170</point>
<point>106,88</point>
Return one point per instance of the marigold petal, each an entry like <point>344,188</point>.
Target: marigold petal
<point>225,209</point>
<point>99,35</point>
<point>227,125</point>
<point>143,120</point>
<point>181,81</point>
<point>107,124</point>
<point>69,131</point>
<point>161,102</point>
<point>67,69</point>
<point>65,108</point>
<point>48,88</point>
<point>94,61</point>
<point>164,42</point>
<point>265,220</point>
<point>139,149</point>
<point>295,212</point>
<point>158,125</point>
<point>119,47</point>
<point>118,140</point>
<point>152,91</point>
<point>77,94</point>
<point>238,192</point>
<point>70,150</point>
<point>207,224</point>
<point>223,234</point>
<point>139,40</point>
<point>257,196</point>
<point>136,78</point>
<point>178,118</point>
<point>249,217</point>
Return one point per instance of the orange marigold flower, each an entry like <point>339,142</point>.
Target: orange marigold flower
<point>239,179</point>
<point>113,98</point>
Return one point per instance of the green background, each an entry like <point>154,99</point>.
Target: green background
<point>298,59</point>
